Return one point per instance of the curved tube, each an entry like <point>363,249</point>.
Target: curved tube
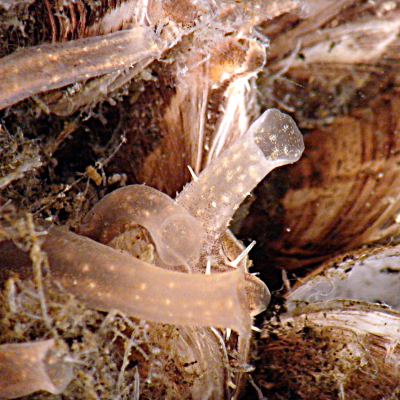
<point>106,279</point>
<point>26,368</point>
<point>176,234</point>
<point>32,70</point>
<point>273,140</point>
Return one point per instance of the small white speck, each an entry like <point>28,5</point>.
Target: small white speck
<point>229,303</point>
<point>208,267</point>
<point>225,198</point>
<point>240,188</point>
<point>85,268</point>
<point>232,385</point>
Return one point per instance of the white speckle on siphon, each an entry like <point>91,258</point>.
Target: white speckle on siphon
<point>185,232</point>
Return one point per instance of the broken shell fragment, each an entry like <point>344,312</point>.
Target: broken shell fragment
<point>369,275</point>
<point>26,368</point>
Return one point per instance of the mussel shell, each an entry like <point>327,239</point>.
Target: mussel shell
<point>335,349</point>
<point>343,193</point>
<point>371,275</point>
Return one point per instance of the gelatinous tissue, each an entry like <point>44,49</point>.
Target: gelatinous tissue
<point>33,70</point>
<point>175,232</point>
<point>272,140</point>
<point>26,368</point>
<point>187,231</point>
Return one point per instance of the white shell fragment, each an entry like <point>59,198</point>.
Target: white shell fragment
<point>373,278</point>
